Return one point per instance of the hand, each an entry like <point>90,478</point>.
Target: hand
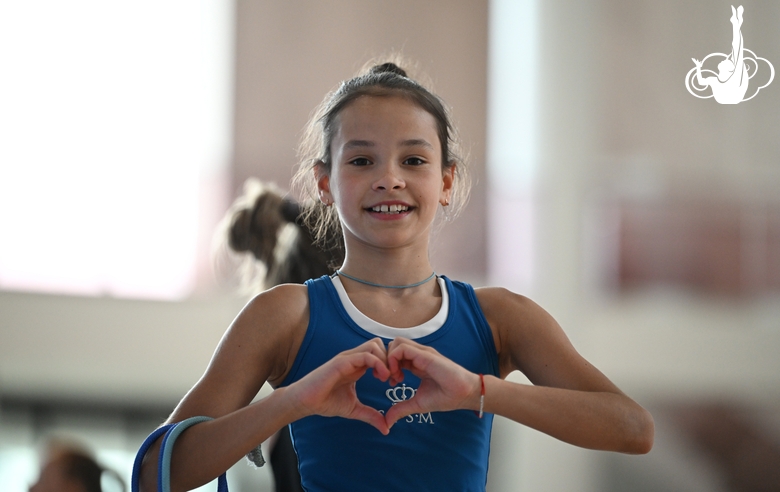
<point>697,62</point>
<point>329,390</point>
<point>444,385</point>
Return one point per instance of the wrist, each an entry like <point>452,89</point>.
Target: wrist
<point>291,407</point>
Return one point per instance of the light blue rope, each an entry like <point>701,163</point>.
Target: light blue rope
<point>172,432</point>
<point>166,452</point>
<point>139,457</point>
<point>372,284</point>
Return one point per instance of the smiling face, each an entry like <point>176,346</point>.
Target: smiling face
<point>386,178</point>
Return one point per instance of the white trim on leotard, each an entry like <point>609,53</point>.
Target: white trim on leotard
<point>384,331</point>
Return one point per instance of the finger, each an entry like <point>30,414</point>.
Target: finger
<point>401,343</point>
<point>397,352</point>
<point>403,358</point>
<point>396,379</point>
<point>374,346</point>
<point>409,356</point>
<point>395,342</point>
<point>351,367</point>
<point>367,361</point>
<point>401,410</point>
<point>370,416</point>
<point>377,347</point>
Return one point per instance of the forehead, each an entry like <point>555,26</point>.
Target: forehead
<point>385,117</point>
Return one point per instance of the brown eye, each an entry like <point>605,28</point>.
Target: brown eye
<point>360,161</point>
<point>414,161</point>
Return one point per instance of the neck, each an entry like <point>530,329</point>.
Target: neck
<point>393,268</point>
<point>384,286</point>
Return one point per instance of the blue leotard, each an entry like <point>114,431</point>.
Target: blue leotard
<point>423,452</point>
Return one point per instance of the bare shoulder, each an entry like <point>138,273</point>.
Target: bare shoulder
<point>275,309</point>
<point>506,310</point>
<point>522,329</point>
<point>499,302</point>
<point>258,347</point>
<point>273,323</point>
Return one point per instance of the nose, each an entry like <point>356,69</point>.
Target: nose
<point>389,179</point>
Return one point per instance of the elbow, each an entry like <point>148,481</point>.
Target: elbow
<point>642,435</point>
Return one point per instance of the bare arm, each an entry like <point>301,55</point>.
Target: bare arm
<point>260,346</point>
<point>569,400</point>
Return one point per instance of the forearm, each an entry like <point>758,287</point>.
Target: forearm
<point>206,450</point>
<point>595,420</point>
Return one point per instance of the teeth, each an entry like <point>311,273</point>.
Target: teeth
<point>393,209</point>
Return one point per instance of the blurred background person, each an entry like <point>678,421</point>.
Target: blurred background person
<point>68,466</point>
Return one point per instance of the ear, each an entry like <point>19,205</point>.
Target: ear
<point>448,180</point>
<point>322,177</point>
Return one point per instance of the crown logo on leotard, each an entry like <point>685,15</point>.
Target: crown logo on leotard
<point>400,393</point>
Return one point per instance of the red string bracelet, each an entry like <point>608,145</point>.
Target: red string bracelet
<point>481,397</point>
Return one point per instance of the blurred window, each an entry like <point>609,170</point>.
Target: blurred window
<point>114,117</point>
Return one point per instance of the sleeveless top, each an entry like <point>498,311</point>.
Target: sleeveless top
<point>424,452</point>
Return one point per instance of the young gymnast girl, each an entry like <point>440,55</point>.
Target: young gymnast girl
<point>387,373</point>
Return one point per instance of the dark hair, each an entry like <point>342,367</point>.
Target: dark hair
<point>383,80</point>
<point>79,466</point>
<point>266,228</point>
<point>82,469</point>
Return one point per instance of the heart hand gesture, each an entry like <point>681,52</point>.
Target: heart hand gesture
<point>444,385</point>
<point>330,389</point>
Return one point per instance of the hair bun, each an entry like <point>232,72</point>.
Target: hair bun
<point>255,225</point>
<point>239,233</point>
<point>388,68</point>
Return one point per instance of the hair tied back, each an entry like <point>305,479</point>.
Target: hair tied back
<point>388,68</point>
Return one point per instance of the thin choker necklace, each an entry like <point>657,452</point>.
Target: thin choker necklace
<point>372,284</point>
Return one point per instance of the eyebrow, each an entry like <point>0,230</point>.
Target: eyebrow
<point>417,142</point>
<point>358,143</point>
<point>414,142</point>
